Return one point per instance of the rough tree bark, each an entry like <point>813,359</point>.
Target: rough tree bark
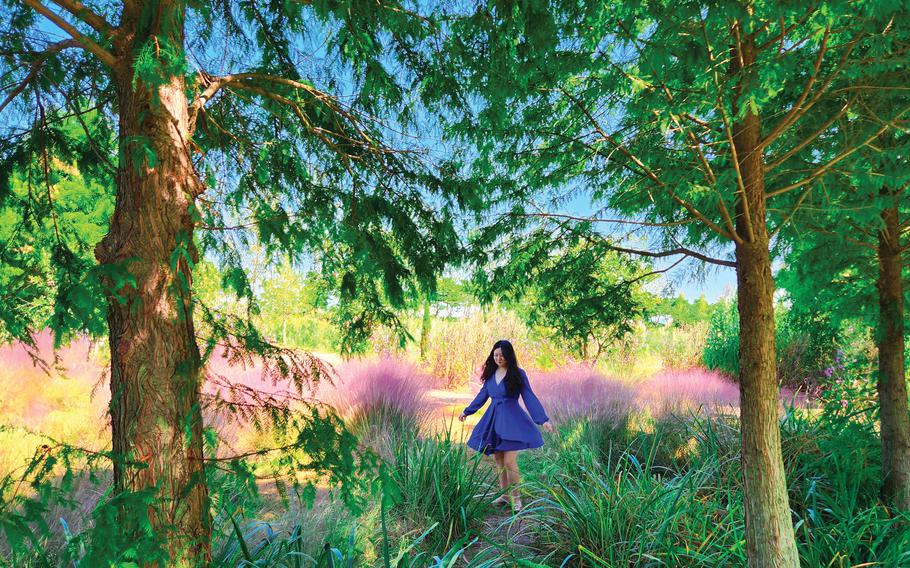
<point>155,362</point>
<point>770,541</point>
<point>892,381</point>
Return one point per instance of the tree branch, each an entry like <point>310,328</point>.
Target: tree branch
<point>674,252</point>
<point>599,220</point>
<point>36,67</point>
<point>318,132</point>
<point>741,186</point>
<point>784,31</point>
<point>791,116</point>
<point>653,272</point>
<point>840,235</point>
<point>798,112</point>
<point>792,212</point>
<point>78,114</point>
<point>696,147</point>
<point>645,170</point>
<point>335,138</point>
<point>709,173</point>
<point>777,163</point>
<point>84,41</point>
<point>243,80</point>
<point>214,85</point>
<point>47,178</point>
<point>85,14</point>
<point>821,170</point>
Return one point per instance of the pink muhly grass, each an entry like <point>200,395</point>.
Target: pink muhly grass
<point>252,372</point>
<point>240,392</point>
<point>69,383</point>
<point>75,359</point>
<point>579,391</point>
<point>388,384</point>
<point>376,398</point>
<point>687,390</point>
<point>382,401</point>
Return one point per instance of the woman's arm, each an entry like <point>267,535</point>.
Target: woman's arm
<point>478,401</point>
<point>535,409</point>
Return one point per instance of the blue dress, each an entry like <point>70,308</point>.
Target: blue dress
<point>505,426</point>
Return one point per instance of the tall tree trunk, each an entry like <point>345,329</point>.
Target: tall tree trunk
<point>155,363</point>
<point>770,541</point>
<point>892,381</point>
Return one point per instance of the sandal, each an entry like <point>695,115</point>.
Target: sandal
<point>516,505</point>
<point>501,500</point>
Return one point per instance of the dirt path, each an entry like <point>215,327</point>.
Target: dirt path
<point>503,530</point>
<point>446,405</point>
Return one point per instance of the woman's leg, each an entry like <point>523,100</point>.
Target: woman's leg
<point>501,470</point>
<point>503,476</point>
<point>510,460</point>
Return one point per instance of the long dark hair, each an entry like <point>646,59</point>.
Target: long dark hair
<point>513,374</point>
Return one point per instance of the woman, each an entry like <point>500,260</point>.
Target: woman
<point>505,427</point>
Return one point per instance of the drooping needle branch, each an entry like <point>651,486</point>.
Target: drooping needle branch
<point>84,41</point>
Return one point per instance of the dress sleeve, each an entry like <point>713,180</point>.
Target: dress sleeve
<point>478,401</point>
<point>535,409</point>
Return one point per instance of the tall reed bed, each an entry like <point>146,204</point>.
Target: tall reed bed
<point>456,348</point>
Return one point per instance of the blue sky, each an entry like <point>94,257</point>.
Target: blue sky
<point>690,277</point>
<point>720,281</point>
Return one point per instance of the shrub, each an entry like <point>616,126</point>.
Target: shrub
<point>722,341</point>
<point>807,343</point>
<point>806,346</point>
<point>679,347</point>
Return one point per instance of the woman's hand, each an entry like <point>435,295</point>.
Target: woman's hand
<point>548,426</point>
<point>462,417</point>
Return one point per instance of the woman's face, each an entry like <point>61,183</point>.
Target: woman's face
<point>499,358</point>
